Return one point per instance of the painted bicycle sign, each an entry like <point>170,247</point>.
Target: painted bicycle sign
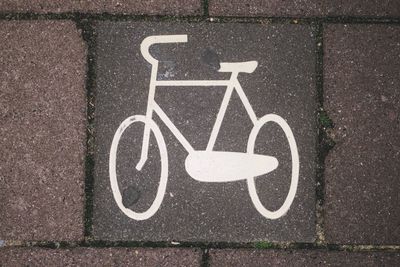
<point>205,165</point>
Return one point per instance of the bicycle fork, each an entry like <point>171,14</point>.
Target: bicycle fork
<point>149,113</point>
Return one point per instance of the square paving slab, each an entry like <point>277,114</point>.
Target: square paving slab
<point>321,258</point>
<point>362,96</point>
<point>43,130</point>
<point>305,8</point>
<point>207,163</point>
<point>138,257</point>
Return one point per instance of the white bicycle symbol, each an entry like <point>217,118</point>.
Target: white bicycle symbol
<point>205,165</point>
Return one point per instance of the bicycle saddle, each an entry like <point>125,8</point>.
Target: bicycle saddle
<point>247,66</point>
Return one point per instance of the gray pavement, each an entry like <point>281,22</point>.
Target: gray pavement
<point>282,84</point>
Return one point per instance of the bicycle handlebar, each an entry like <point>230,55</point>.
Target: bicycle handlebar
<point>159,39</point>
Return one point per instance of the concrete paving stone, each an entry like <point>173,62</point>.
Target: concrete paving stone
<point>305,8</point>
<point>140,257</point>
<point>362,8</point>
<point>298,8</point>
<point>283,84</point>
<point>254,258</point>
<point>148,7</point>
<point>362,96</point>
<point>42,129</point>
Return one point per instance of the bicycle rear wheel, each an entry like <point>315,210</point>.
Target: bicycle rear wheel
<point>294,172</point>
<point>163,174</point>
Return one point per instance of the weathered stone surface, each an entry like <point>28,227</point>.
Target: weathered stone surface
<point>42,129</point>
<point>362,96</point>
<point>305,8</point>
<point>362,8</point>
<point>283,83</point>
<point>143,257</point>
<point>150,7</point>
<point>254,258</point>
<point>265,8</point>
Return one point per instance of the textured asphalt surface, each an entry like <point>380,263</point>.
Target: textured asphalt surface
<point>283,84</point>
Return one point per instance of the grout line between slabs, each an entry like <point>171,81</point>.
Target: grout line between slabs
<point>197,18</point>
<point>325,143</point>
<point>205,258</point>
<point>88,35</point>
<point>320,183</point>
<point>206,11</point>
<point>204,246</point>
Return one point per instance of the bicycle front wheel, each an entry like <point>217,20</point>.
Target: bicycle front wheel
<point>163,174</point>
<point>294,165</point>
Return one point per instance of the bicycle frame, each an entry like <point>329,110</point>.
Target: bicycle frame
<point>231,85</point>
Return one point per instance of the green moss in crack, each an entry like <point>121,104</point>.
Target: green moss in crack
<point>263,245</point>
<point>324,120</point>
